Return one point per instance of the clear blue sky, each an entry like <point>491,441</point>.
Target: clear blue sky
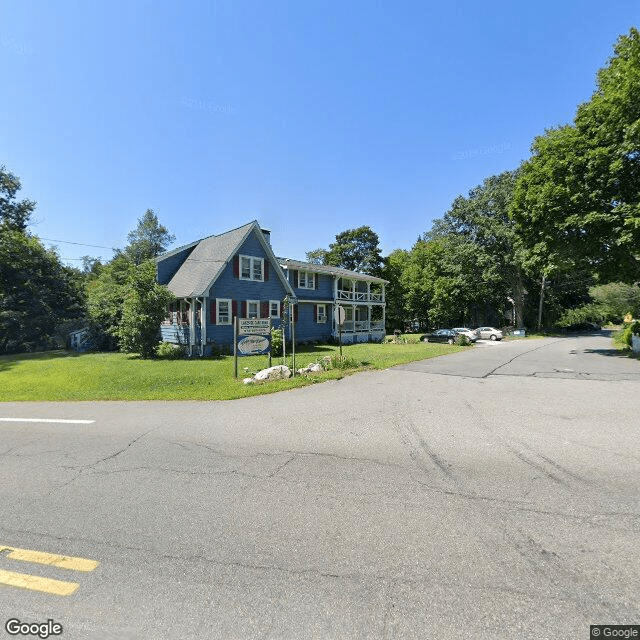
<point>311,117</point>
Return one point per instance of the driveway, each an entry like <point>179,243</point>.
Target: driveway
<point>490,494</point>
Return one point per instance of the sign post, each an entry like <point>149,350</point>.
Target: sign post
<point>339,315</point>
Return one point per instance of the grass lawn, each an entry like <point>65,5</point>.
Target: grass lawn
<point>63,375</point>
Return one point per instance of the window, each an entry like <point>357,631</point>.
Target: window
<point>223,311</point>
<point>306,280</point>
<point>253,308</point>
<point>274,308</point>
<point>321,313</point>
<point>251,268</point>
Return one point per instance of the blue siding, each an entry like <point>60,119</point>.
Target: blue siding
<point>323,290</point>
<point>307,329</point>
<point>230,287</point>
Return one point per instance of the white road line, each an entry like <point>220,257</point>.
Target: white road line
<point>61,421</point>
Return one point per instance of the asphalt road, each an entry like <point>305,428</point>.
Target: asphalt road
<point>488,494</point>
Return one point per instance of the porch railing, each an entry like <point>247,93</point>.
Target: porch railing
<point>360,326</point>
<point>360,296</point>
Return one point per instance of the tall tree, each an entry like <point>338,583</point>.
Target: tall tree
<point>357,250</point>
<point>482,218</point>
<point>15,214</point>
<point>144,307</point>
<point>37,292</point>
<point>577,200</point>
<point>317,256</point>
<point>149,239</point>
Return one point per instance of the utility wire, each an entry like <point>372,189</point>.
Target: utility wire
<point>81,244</point>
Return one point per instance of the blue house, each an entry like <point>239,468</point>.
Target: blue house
<point>237,274</point>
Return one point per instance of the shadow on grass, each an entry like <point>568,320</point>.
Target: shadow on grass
<point>10,360</point>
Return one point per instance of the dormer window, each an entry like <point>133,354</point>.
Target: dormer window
<point>251,268</point>
<point>306,280</point>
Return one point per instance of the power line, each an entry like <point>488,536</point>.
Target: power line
<point>81,244</point>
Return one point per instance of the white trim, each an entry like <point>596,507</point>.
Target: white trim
<point>257,303</point>
<point>277,303</point>
<point>307,273</point>
<point>252,260</point>
<point>324,313</point>
<point>229,314</point>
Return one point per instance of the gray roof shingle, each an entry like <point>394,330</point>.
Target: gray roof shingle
<point>206,262</point>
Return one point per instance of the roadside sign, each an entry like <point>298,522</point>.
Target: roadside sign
<point>254,326</point>
<point>254,345</point>
<point>339,314</point>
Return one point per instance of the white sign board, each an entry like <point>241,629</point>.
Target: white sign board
<point>339,314</point>
<point>254,327</point>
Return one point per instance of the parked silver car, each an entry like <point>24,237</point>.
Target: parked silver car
<point>466,332</point>
<point>489,333</point>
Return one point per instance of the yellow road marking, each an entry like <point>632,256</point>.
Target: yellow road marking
<point>52,559</point>
<point>37,583</point>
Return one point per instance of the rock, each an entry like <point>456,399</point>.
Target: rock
<point>273,373</point>
<point>248,381</point>
<point>315,367</point>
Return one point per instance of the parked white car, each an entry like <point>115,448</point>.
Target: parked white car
<point>466,332</point>
<point>489,333</point>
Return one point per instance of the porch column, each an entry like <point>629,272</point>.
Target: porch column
<point>368,291</point>
<point>205,319</point>
<point>353,290</point>
<point>383,284</point>
<point>335,288</point>
<point>192,324</point>
<point>368,317</point>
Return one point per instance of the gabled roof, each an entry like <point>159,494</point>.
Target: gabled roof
<point>288,263</point>
<point>208,259</point>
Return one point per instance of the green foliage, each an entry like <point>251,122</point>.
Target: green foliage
<point>13,214</point>
<point>317,256</point>
<point>463,341</point>
<point>170,351</point>
<point>610,303</point>
<point>276,342</point>
<point>143,309</point>
<point>336,361</point>
<point>577,200</point>
<point>148,240</point>
<point>105,299</point>
<point>37,292</point>
<point>357,250</point>
<point>397,309</point>
<point>624,335</point>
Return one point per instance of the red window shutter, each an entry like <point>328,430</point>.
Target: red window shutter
<point>264,309</point>
<point>315,280</point>
<point>212,312</point>
<point>295,313</point>
<point>243,309</point>
<point>315,313</point>
<point>282,309</point>
<point>266,270</point>
<point>234,308</point>
<point>236,266</point>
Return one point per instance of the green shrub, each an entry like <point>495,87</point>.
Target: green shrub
<point>170,351</point>
<point>336,361</point>
<point>462,340</point>
<point>629,328</point>
<point>276,342</point>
